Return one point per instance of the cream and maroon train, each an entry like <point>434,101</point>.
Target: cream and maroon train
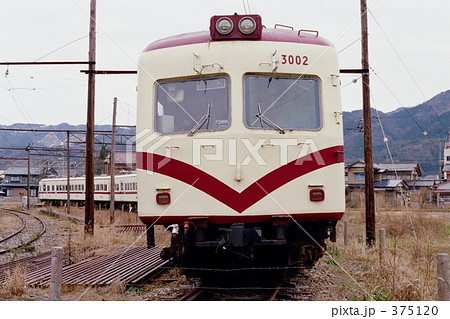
<point>240,144</point>
<point>54,190</point>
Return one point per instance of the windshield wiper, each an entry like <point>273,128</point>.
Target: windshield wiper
<point>205,119</point>
<point>262,118</point>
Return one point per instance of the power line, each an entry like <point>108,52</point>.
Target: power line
<point>67,44</point>
<point>409,72</point>
<point>424,132</point>
<point>18,101</point>
<point>45,63</point>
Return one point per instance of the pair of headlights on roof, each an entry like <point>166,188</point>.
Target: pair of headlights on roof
<point>225,26</point>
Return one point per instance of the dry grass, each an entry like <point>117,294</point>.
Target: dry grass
<point>407,272</point>
<point>106,238</point>
<point>408,269</point>
<point>14,283</point>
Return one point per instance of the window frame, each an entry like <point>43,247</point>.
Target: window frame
<point>191,79</point>
<point>284,76</point>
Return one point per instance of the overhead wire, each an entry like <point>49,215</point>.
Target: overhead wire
<point>407,69</point>
<point>424,132</point>
<point>61,47</point>
<point>17,100</point>
<point>349,45</point>
<point>403,195</point>
<point>16,97</point>
<point>246,7</point>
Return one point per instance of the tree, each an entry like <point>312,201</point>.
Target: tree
<point>100,160</point>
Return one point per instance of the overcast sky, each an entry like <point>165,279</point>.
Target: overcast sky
<point>408,42</point>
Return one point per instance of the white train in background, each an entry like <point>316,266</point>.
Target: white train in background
<point>54,190</point>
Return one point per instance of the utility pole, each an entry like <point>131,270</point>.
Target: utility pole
<point>368,157</point>
<point>89,196</point>
<point>68,172</point>
<point>29,176</point>
<point>112,158</point>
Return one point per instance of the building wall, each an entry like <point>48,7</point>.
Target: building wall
<point>19,192</point>
<point>356,175</point>
<point>446,159</point>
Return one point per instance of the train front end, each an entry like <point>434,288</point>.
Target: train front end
<point>240,144</point>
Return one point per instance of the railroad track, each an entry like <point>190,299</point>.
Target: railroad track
<point>130,265</point>
<point>121,229</point>
<point>297,288</point>
<point>32,227</point>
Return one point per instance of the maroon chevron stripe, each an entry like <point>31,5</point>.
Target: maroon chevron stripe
<point>240,201</point>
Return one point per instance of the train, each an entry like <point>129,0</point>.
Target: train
<point>53,191</point>
<point>239,144</point>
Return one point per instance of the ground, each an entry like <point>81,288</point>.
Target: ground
<point>346,272</point>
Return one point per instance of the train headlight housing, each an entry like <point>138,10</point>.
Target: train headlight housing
<point>247,25</point>
<point>236,27</point>
<point>224,26</point>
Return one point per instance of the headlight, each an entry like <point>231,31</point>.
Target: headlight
<point>247,25</point>
<point>224,26</point>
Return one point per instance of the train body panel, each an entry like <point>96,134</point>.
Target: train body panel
<point>237,150</point>
<point>240,144</point>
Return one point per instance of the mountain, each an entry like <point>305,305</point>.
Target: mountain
<point>49,143</point>
<point>404,129</point>
<point>414,134</point>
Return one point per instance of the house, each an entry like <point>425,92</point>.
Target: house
<point>124,161</point>
<point>355,176</point>
<point>392,190</point>
<point>446,168</point>
<point>398,171</point>
<point>390,180</point>
<point>443,194</point>
<point>15,183</point>
<point>404,171</point>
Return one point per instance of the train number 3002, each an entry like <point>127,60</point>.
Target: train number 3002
<point>294,59</point>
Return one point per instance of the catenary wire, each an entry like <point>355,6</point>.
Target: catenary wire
<point>407,70</point>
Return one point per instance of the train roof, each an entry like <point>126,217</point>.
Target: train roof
<point>62,178</point>
<point>271,35</point>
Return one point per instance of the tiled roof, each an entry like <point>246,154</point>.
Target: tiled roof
<point>22,171</point>
<point>396,167</point>
<point>421,183</point>
<point>388,183</point>
<point>444,187</point>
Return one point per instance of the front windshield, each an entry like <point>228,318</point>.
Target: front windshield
<point>282,103</point>
<point>192,105</point>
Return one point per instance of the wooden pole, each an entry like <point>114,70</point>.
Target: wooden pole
<point>346,233</point>
<point>364,240</point>
<point>89,197</point>
<point>443,283</point>
<point>382,244</point>
<point>112,156</point>
<point>368,157</point>
<point>55,279</point>
<point>29,178</point>
<point>68,171</point>
<point>150,236</point>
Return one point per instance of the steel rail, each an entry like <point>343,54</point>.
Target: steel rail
<point>17,232</point>
<point>192,295</point>
<point>274,294</point>
<point>129,265</point>
<point>33,238</point>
